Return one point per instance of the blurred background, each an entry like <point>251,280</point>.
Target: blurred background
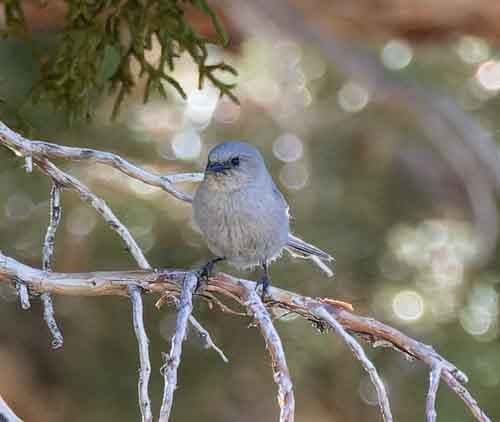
<point>378,121</point>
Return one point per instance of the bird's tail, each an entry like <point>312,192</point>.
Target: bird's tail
<point>301,249</point>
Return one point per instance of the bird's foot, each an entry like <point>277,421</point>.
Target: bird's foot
<point>264,283</point>
<point>205,272</point>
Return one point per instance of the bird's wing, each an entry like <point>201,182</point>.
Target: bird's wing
<point>279,196</point>
<point>300,249</point>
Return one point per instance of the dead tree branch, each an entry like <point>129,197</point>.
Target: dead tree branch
<point>434,378</point>
<point>143,343</point>
<point>29,148</point>
<point>173,359</point>
<point>286,399</point>
<point>383,399</point>
<point>47,252</point>
<point>168,281</point>
<point>6,413</point>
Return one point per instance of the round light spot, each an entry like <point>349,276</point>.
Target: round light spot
<point>396,54</point>
<point>81,221</point>
<point>288,148</point>
<point>353,97</point>
<point>476,320</point>
<point>408,305</point>
<point>186,144</point>
<point>263,90</point>
<point>19,206</point>
<point>313,66</point>
<point>201,105</point>
<point>294,176</point>
<point>473,50</point>
<point>488,75</point>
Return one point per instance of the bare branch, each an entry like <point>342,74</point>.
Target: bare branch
<point>168,281</point>
<point>286,399</point>
<point>6,413</point>
<point>430,407</point>
<point>207,339</point>
<point>143,342</point>
<point>54,220</point>
<point>173,359</point>
<point>466,397</point>
<point>208,343</point>
<point>69,182</point>
<point>383,399</point>
<point>24,296</point>
<point>48,251</point>
<point>40,149</point>
<point>50,320</point>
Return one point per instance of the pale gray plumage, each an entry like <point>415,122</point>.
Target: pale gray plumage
<point>240,212</point>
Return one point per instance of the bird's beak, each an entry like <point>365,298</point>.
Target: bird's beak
<point>217,167</point>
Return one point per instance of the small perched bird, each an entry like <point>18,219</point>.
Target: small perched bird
<point>243,216</point>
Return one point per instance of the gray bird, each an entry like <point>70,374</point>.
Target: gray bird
<point>242,215</point>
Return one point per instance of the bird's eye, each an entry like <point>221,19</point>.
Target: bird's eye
<point>235,161</point>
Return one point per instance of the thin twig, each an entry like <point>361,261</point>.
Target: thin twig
<point>48,251</point>
<point>430,407</point>
<point>286,399</point>
<point>466,397</point>
<point>24,296</point>
<point>173,359</point>
<point>208,343</point>
<point>143,342</point>
<point>383,398</point>
<point>69,182</point>
<point>6,413</point>
<point>50,320</point>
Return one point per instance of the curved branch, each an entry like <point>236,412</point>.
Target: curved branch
<point>383,399</point>
<point>26,147</point>
<point>143,343</point>
<point>173,359</point>
<point>430,406</point>
<point>6,413</point>
<point>168,281</point>
<point>286,398</point>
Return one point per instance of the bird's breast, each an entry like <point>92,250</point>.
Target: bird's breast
<point>245,226</point>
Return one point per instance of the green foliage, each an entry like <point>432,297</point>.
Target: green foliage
<point>102,38</point>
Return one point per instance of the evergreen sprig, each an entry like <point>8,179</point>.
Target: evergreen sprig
<point>100,40</point>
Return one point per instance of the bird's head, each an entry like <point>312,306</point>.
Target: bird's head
<point>233,164</point>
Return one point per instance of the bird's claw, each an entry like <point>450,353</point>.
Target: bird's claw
<point>203,275</point>
<point>265,283</point>
<point>205,272</point>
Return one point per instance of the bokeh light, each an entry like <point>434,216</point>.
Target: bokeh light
<point>186,144</point>
<point>353,97</point>
<point>408,305</point>
<point>288,147</point>
<point>19,206</point>
<point>396,54</point>
<point>472,50</point>
<point>294,176</point>
<point>488,75</point>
